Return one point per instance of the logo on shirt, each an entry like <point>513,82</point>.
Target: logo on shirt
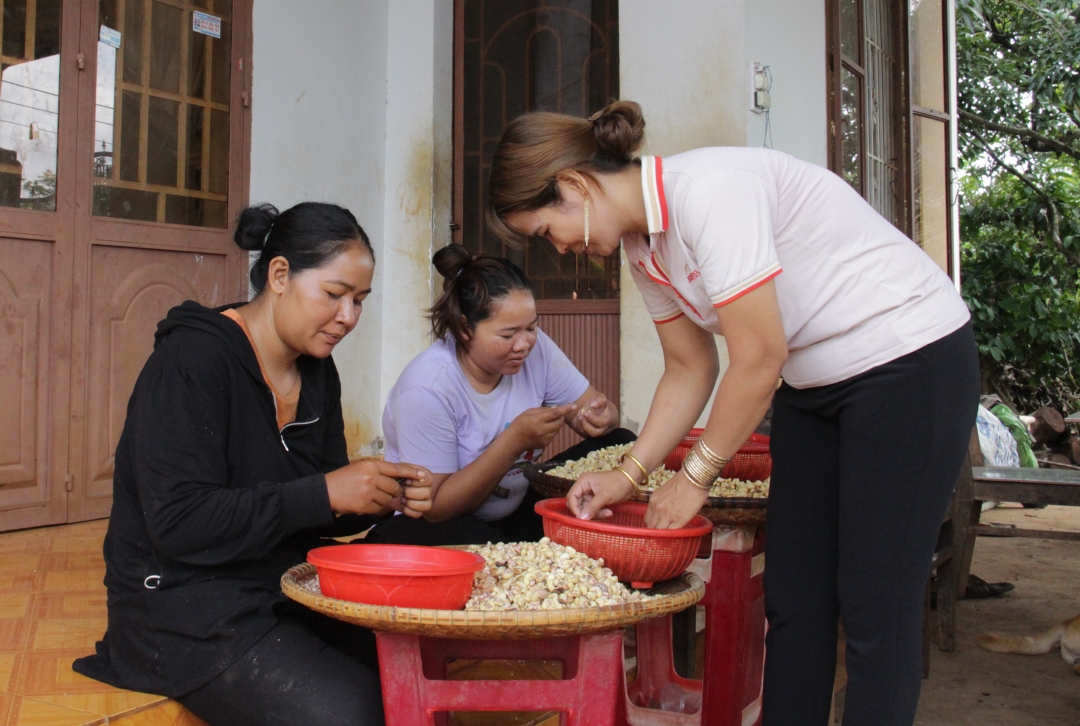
<point>691,275</point>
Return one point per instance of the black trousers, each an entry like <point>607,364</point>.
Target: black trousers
<point>863,471</point>
<point>523,525</point>
<point>309,669</point>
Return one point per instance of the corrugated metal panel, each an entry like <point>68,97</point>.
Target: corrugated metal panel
<point>591,341</point>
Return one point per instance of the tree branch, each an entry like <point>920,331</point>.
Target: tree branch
<point>1072,117</point>
<point>1045,142</point>
<point>1053,219</point>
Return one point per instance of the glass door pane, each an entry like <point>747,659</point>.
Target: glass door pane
<point>928,54</point>
<point>29,103</point>
<point>931,196</point>
<point>851,128</point>
<point>161,137</point>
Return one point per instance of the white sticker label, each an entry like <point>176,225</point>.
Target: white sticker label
<point>108,36</point>
<point>206,24</point>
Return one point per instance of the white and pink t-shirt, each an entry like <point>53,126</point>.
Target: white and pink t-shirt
<point>436,419</point>
<point>854,291</point>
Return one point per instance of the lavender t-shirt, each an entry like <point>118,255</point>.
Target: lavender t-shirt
<point>435,418</point>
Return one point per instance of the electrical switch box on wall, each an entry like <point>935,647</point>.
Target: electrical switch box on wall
<point>760,85</point>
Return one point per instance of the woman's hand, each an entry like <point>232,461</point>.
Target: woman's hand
<point>536,427</point>
<point>594,418</point>
<point>418,495</point>
<point>674,504</point>
<point>594,492</point>
<point>372,487</point>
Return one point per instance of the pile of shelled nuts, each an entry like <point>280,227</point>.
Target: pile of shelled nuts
<point>544,576</point>
<point>608,458</point>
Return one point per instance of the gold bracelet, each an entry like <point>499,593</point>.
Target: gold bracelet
<point>698,472</point>
<point>715,460</point>
<point>631,458</point>
<point>633,482</point>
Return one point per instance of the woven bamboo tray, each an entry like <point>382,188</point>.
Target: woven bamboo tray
<point>718,510</point>
<point>675,595</point>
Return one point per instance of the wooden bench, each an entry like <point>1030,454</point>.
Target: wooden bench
<point>1018,484</point>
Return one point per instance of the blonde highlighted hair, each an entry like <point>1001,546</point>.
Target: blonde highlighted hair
<point>537,147</point>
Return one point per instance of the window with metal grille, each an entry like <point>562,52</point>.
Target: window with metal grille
<point>889,119</point>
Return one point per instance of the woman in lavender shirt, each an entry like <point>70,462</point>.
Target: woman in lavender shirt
<point>488,395</point>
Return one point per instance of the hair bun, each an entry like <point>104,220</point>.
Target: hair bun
<point>450,261</point>
<point>619,128</point>
<point>254,225</point>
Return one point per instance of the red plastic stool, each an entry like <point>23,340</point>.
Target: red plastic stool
<point>734,644</point>
<point>416,692</point>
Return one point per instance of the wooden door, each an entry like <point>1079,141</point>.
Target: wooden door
<point>123,160</point>
<point>514,56</point>
<point>160,178</point>
<point>38,44</point>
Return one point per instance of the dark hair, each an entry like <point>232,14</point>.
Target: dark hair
<point>472,287</point>
<point>308,235</point>
<point>536,147</point>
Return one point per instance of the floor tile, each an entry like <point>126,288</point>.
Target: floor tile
<point>113,704</point>
<point>45,673</point>
<point>67,633</point>
<point>74,544</point>
<point>12,582</point>
<point>34,540</point>
<point>20,562</point>
<point>32,712</point>
<point>5,705</point>
<point>73,580</point>
<point>15,606</point>
<point>7,669</point>
<point>63,561</point>
<point>169,713</point>
<point>77,604</point>
<point>13,633</point>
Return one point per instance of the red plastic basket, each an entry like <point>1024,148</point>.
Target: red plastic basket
<point>636,554</point>
<point>752,462</point>
<point>401,576</point>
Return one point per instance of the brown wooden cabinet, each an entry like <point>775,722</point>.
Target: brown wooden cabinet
<point>133,164</point>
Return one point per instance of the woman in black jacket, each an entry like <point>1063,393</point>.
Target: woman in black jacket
<point>231,465</point>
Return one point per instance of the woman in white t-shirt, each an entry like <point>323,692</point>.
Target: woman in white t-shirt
<point>807,282</point>
<point>488,395</point>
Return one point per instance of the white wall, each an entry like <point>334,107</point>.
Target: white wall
<point>789,37</point>
<point>688,64</point>
<point>419,172</point>
<point>359,113</point>
<point>684,62</point>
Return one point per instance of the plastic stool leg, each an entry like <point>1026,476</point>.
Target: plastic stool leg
<point>598,679</point>
<point>402,680</point>
<point>727,639</point>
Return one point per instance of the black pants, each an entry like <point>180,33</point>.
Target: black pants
<point>863,471</point>
<point>309,669</point>
<point>523,525</point>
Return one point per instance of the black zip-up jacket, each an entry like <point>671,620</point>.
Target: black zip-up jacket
<point>211,504</point>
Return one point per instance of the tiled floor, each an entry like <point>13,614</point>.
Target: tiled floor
<point>52,611</point>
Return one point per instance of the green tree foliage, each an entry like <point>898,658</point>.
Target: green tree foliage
<point>1019,107</point>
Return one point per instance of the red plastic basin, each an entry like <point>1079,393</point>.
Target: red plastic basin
<point>635,553</point>
<point>752,462</point>
<point>397,575</point>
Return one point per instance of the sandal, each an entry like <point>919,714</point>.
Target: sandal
<point>980,588</point>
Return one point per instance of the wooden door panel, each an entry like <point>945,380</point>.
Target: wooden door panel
<point>587,331</point>
<point>130,291</point>
<point>26,289</point>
